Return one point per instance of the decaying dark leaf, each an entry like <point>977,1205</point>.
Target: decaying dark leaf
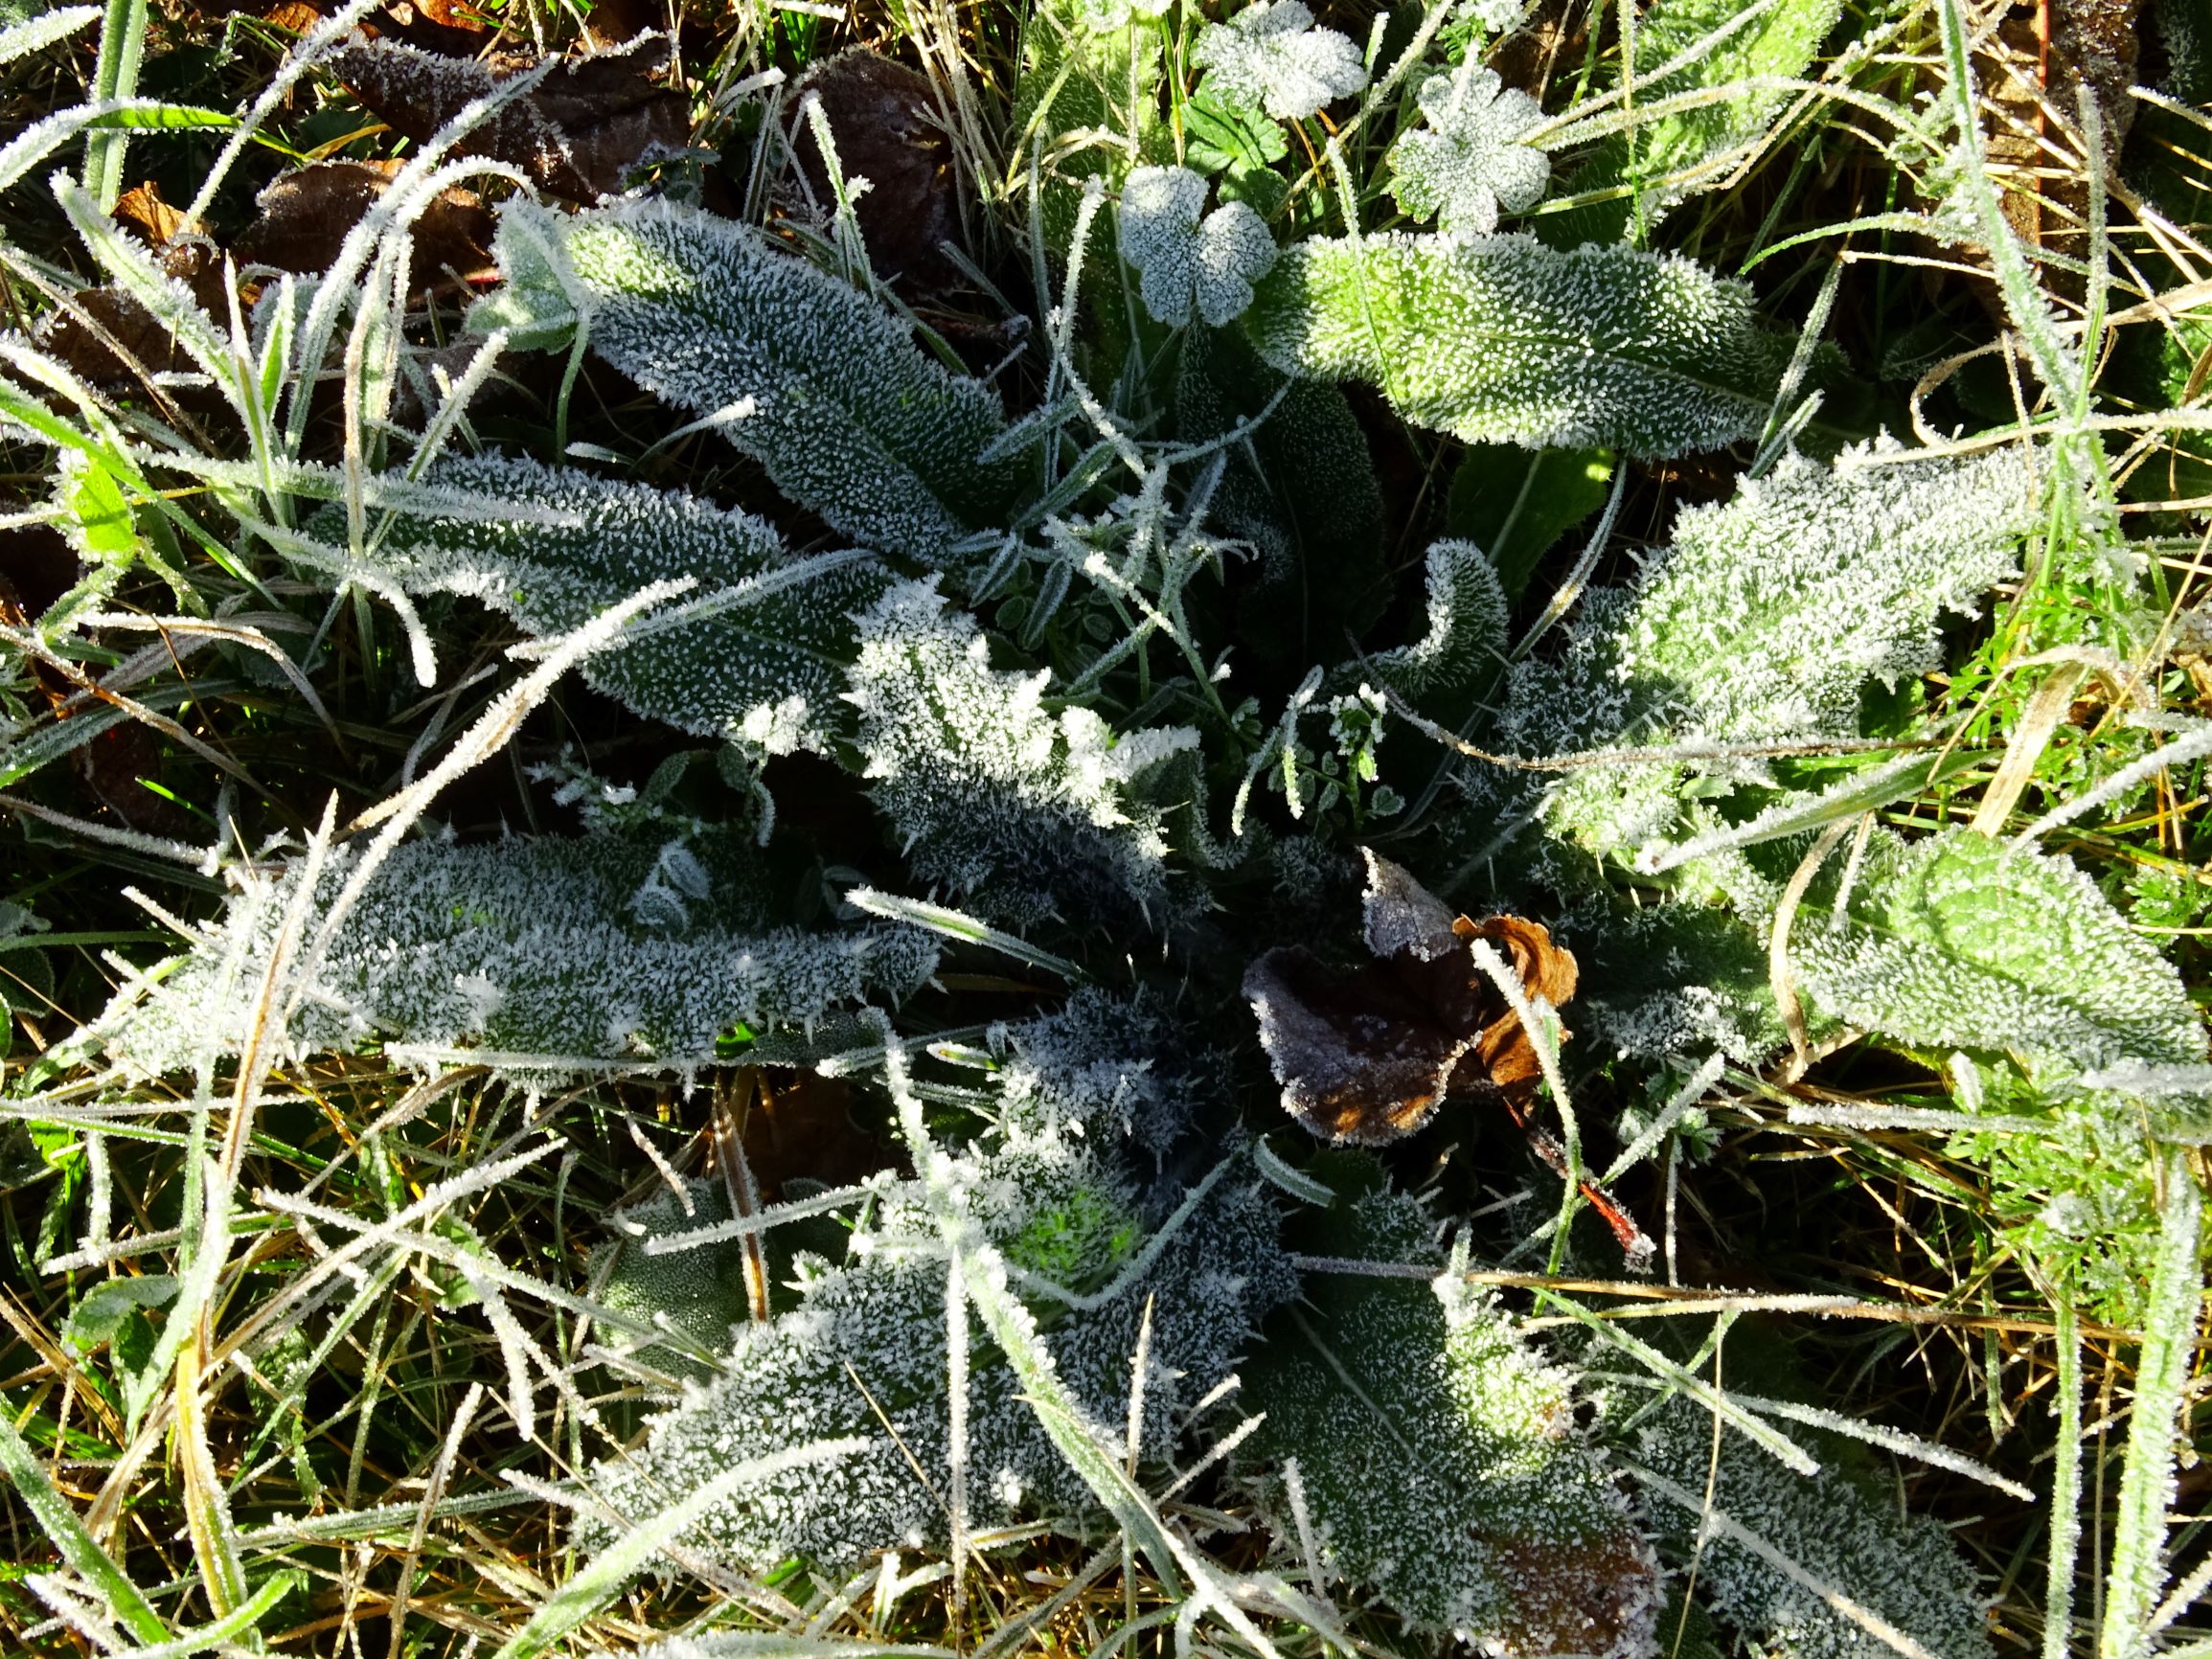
<point>577,133</point>
<point>307,215</point>
<point>1365,1055</point>
<point>885,125</point>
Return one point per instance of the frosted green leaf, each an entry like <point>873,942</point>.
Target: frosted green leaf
<point>1762,621</point>
<point>1020,812</point>
<point>810,377</point>
<point>1056,1202</point>
<point>1467,621</point>
<point>1437,1452</point>
<point>555,957</point>
<point>1502,339</point>
<point>1901,1570</point>
<point>1467,163</point>
<point>1270,56</point>
<point>760,649</point>
<point>1214,262</point>
<point>1961,942</point>
<point>699,1296</point>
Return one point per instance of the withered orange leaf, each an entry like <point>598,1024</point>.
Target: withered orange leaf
<point>1366,1054</point>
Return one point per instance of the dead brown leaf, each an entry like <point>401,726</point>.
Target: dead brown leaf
<point>1367,1055</point>
<point>577,133</point>
<point>306,217</point>
<point>885,125</point>
<point>106,335</point>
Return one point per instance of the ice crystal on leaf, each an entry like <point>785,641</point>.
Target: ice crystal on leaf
<point>1762,621</point>
<point>1021,812</point>
<point>1844,1541</point>
<point>1961,942</point>
<point>813,378</point>
<point>759,651</point>
<point>1438,1454</point>
<point>1270,56</point>
<point>1180,257</point>
<point>1502,339</point>
<point>1467,623</point>
<point>537,952</point>
<point>1087,1253</point>
<point>1469,163</point>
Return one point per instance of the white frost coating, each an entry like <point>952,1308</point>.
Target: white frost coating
<point>1961,942</point>
<point>1216,261</point>
<point>1466,626</point>
<point>759,655</point>
<point>1270,56</point>
<point>1502,339</point>
<point>849,416</point>
<point>1021,812</point>
<point>582,953</point>
<point>1056,1205</point>
<point>1763,621</point>
<point>1469,163</point>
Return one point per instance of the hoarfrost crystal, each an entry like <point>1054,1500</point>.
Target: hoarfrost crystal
<point>1471,163</point>
<point>1270,56</point>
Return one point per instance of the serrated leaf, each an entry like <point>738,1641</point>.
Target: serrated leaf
<point>816,380</point>
<point>1963,942</point>
<point>1504,340</point>
<point>555,957</point>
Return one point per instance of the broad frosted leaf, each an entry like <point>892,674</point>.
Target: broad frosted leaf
<point>1961,942</point>
<point>1468,162</point>
<point>1439,1456</point>
<point>1502,339</point>
<point>1465,644</point>
<point>560,957</point>
<point>763,655</point>
<point>1060,1205</point>
<point>1903,1570</point>
<point>1781,41</point>
<point>1763,621</point>
<point>1016,811</point>
<point>813,378</point>
<point>1270,56</point>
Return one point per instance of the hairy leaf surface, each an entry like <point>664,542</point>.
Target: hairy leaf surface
<point>1963,942</point>
<point>816,380</point>
<point>1501,339</point>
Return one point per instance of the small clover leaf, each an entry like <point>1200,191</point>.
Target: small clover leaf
<point>1270,56</point>
<point>1181,259</point>
<point>1469,163</point>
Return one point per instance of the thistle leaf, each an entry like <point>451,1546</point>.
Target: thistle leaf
<point>1465,638</point>
<point>1436,1451</point>
<point>1501,339</point>
<point>1021,812</point>
<point>1070,1219</point>
<point>1843,1541</point>
<point>1961,942</point>
<point>762,652</point>
<point>809,376</point>
<point>559,957</point>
